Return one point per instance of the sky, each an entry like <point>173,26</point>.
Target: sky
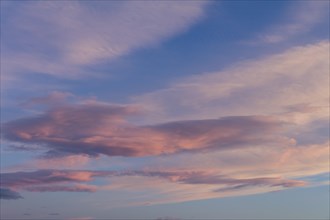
<point>165,109</point>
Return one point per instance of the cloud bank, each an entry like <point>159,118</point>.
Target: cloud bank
<point>70,180</point>
<point>99,129</point>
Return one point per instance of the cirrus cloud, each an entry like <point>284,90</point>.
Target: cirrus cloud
<point>73,35</point>
<point>65,180</point>
<point>264,86</point>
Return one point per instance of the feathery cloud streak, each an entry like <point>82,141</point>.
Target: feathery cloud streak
<point>301,19</point>
<point>49,180</point>
<point>59,38</point>
<point>266,86</point>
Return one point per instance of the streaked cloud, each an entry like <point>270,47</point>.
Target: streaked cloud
<point>209,178</point>
<point>301,18</point>
<point>9,194</point>
<point>54,98</point>
<point>95,129</point>
<point>54,213</point>
<point>265,86</point>
<point>231,172</point>
<point>179,122</point>
<point>217,130</point>
<point>58,38</point>
<point>49,180</point>
<point>22,179</point>
<point>55,188</point>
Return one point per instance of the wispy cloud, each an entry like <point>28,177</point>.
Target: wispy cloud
<point>216,134</point>
<point>59,37</point>
<point>264,86</point>
<point>172,179</point>
<point>49,180</point>
<point>54,98</point>
<point>54,213</point>
<point>300,18</point>
<point>55,188</point>
<point>244,122</point>
<point>214,179</point>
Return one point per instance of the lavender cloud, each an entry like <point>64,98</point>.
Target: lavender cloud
<point>22,179</point>
<point>74,188</point>
<point>50,180</point>
<point>74,35</point>
<point>99,129</point>
<point>209,178</point>
<point>264,86</point>
<point>301,19</point>
<point>53,99</point>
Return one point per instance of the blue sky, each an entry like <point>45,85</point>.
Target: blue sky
<point>164,109</point>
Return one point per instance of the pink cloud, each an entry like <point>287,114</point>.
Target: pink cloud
<point>213,178</point>
<point>49,181</point>
<point>67,161</point>
<point>23,179</point>
<point>94,129</point>
<point>62,180</point>
<point>62,188</point>
<point>54,98</point>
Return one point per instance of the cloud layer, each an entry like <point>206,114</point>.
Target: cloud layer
<point>61,37</point>
<point>251,128</point>
<point>95,129</point>
<point>66,180</point>
<point>266,86</point>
